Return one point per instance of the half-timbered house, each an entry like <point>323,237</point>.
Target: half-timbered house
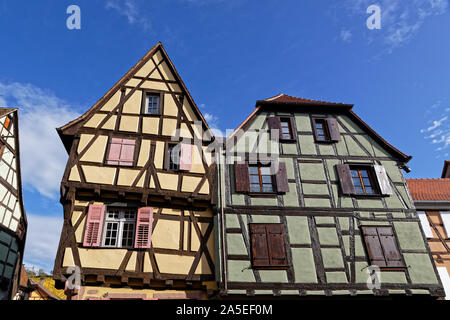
<point>137,191</point>
<point>313,202</point>
<point>432,201</point>
<point>13,221</point>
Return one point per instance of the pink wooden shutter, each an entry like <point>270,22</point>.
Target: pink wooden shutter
<point>127,152</point>
<point>186,157</point>
<point>114,151</point>
<point>144,228</point>
<point>94,225</point>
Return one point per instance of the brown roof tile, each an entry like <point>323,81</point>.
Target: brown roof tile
<point>429,189</point>
<point>284,98</point>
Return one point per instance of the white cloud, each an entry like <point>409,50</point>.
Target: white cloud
<point>42,241</point>
<point>400,20</point>
<point>131,11</point>
<point>438,131</point>
<point>436,123</point>
<point>346,35</point>
<point>43,157</point>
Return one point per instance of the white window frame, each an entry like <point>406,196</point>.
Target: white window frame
<point>147,100</point>
<point>121,216</point>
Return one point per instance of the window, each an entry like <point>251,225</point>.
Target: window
<point>321,130</point>
<point>362,180</point>
<point>260,179</point>
<point>152,102</point>
<point>286,129</point>
<point>178,157</point>
<point>382,247</point>
<point>326,130</point>
<point>268,246</point>
<point>283,128</point>
<point>173,157</point>
<point>120,225</point>
<point>121,152</point>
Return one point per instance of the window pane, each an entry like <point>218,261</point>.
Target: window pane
<point>356,182</point>
<point>265,170</point>
<point>253,170</point>
<point>152,104</point>
<point>254,179</point>
<point>266,179</point>
<point>359,190</point>
<point>255,188</point>
<point>364,173</point>
<point>267,188</point>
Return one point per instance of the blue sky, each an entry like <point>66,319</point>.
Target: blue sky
<point>230,53</point>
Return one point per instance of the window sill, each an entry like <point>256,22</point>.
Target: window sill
<point>325,141</point>
<point>288,140</point>
<point>262,194</point>
<point>369,196</point>
<point>393,269</point>
<point>271,268</point>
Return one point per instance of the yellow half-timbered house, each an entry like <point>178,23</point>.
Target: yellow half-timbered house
<point>138,191</point>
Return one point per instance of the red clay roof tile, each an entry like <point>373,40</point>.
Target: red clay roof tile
<point>429,189</point>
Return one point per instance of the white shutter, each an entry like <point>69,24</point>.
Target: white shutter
<point>425,224</point>
<point>383,180</point>
<point>445,279</point>
<point>445,216</point>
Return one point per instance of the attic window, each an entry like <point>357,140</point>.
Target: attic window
<point>326,130</point>
<point>321,130</point>
<point>152,103</point>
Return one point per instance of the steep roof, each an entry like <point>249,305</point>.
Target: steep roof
<point>296,102</point>
<point>70,128</point>
<point>286,99</point>
<point>429,189</point>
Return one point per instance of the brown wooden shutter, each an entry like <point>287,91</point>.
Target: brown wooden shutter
<point>293,130</point>
<point>281,178</point>
<point>388,242</point>
<point>373,246</point>
<point>242,177</point>
<point>277,247</point>
<point>345,179</point>
<point>275,124</point>
<point>333,129</point>
<point>260,250</point>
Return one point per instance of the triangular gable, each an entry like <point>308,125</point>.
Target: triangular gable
<point>164,77</point>
<point>301,103</point>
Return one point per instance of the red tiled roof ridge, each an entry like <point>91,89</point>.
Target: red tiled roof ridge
<point>287,98</point>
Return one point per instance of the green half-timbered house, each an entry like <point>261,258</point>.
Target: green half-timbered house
<point>313,202</point>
